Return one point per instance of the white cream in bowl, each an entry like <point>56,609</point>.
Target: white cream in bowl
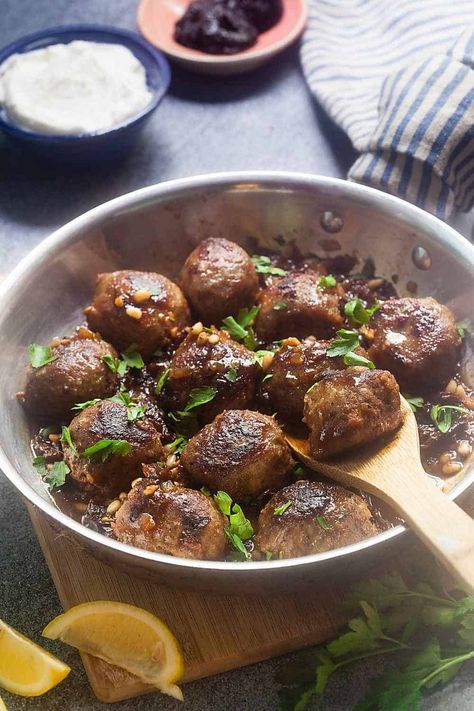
<point>76,88</point>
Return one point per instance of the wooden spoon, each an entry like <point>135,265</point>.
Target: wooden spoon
<point>394,473</point>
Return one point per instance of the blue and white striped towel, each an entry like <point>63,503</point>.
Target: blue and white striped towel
<point>398,77</point>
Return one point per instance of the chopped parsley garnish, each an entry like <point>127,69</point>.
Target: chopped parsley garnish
<point>240,327</point>
<point>415,403</point>
<point>239,529</point>
<point>344,346</point>
<point>358,313</point>
<point>463,327</point>
<point>40,355</point>
<point>280,510</point>
<point>280,306</point>
<point>162,381</point>
<point>86,404</point>
<point>263,265</point>
<point>442,416</point>
<point>268,555</point>
<point>130,358</point>
<point>200,396</point>
<point>260,355</point>
<point>105,448</point>
<point>268,376</point>
<point>66,437</point>
<point>53,477</point>
<point>135,411</point>
<point>56,476</point>
<point>425,633</point>
<point>178,444</point>
<point>328,281</point>
<point>352,358</point>
<point>298,470</point>
<point>39,464</point>
<point>231,374</point>
<point>323,523</point>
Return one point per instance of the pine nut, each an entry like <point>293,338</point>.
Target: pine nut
<point>123,495</point>
<point>118,302</point>
<point>54,437</point>
<point>133,312</point>
<point>171,460</point>
<point>141,295</point>
<point>149,490</point>
<point>464,449</point>
<point>213,339</point>
<point>445,457</point>
<point>202,338</point>
<point>267,361</point>
<point>197,328</point>
<point>135,482</point>
<point>451,468</point>
<point>451,387</point>
<point>146,522</point>
<point>114,506</point>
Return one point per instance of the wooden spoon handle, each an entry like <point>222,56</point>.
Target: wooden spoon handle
<point>444,528</point>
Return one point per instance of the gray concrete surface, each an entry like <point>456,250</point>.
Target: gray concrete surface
<point>263,120</point>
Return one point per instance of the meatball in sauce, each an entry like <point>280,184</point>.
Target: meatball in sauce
<point>242,452</point>
<point>76,373</point>
<point>219,279</point>
<point>142,310</point>
<point>312,517</point>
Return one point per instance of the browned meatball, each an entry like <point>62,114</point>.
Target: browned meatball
<point>294,369</point>
<point>417,341</point>
<point>77,374</point>
<point>351,407</point>
<point>219,278</point>
<point>242,452</point>
<point>212,360</point>
<point>296,305</point>
<point>320,516</point>
<point>169,518</point>
<point>108,420</point>
<point>142,309</point>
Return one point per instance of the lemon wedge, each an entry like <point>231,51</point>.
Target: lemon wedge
<point>124,635</point>
<point>25,668</point>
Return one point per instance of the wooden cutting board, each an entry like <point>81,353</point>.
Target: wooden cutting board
<point>217,632</point>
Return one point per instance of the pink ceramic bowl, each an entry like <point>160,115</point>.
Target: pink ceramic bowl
<point>156,20</point>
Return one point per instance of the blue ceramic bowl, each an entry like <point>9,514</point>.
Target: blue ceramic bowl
<point>103,145</point>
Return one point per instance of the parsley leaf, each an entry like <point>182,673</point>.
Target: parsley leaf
<point>233,328</point>
<point>86,404</point>
<point>239,529</point>
<point>398,622</point>
<point>323,523</point>
<point>239,328</point>
<point>200,396</point>
<point>112,363</point>
<point>231,374</point>
<point>442,416</point>
<point>344,346</point>
<point>66,437</point>
<point>347,340</point>
<point>178,444</point>
<point>359,314</point>
<point>135,411</point>
<point>162,381</point>
<point>280,306</point>
<point>328,281</point>
<point>105,448</point>
<point>263,265</point>
<point>352,358</point>
<point>463,327</point>
<point>280,510</point>
<point>416,403</point>
<point>56,476</point>
<point>132,358</point>
<point>39,464</point>
<point>40,355</point>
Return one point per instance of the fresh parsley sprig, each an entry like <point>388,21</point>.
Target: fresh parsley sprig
<point>442,416</point>
<point>53,477</point>
<point>427,635</point>
<point>415,402</point>
<point>328,281</point>
<point>263,265</point>
<point>130,358</point>
<point>135,411</point>
<point>239,528</point>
